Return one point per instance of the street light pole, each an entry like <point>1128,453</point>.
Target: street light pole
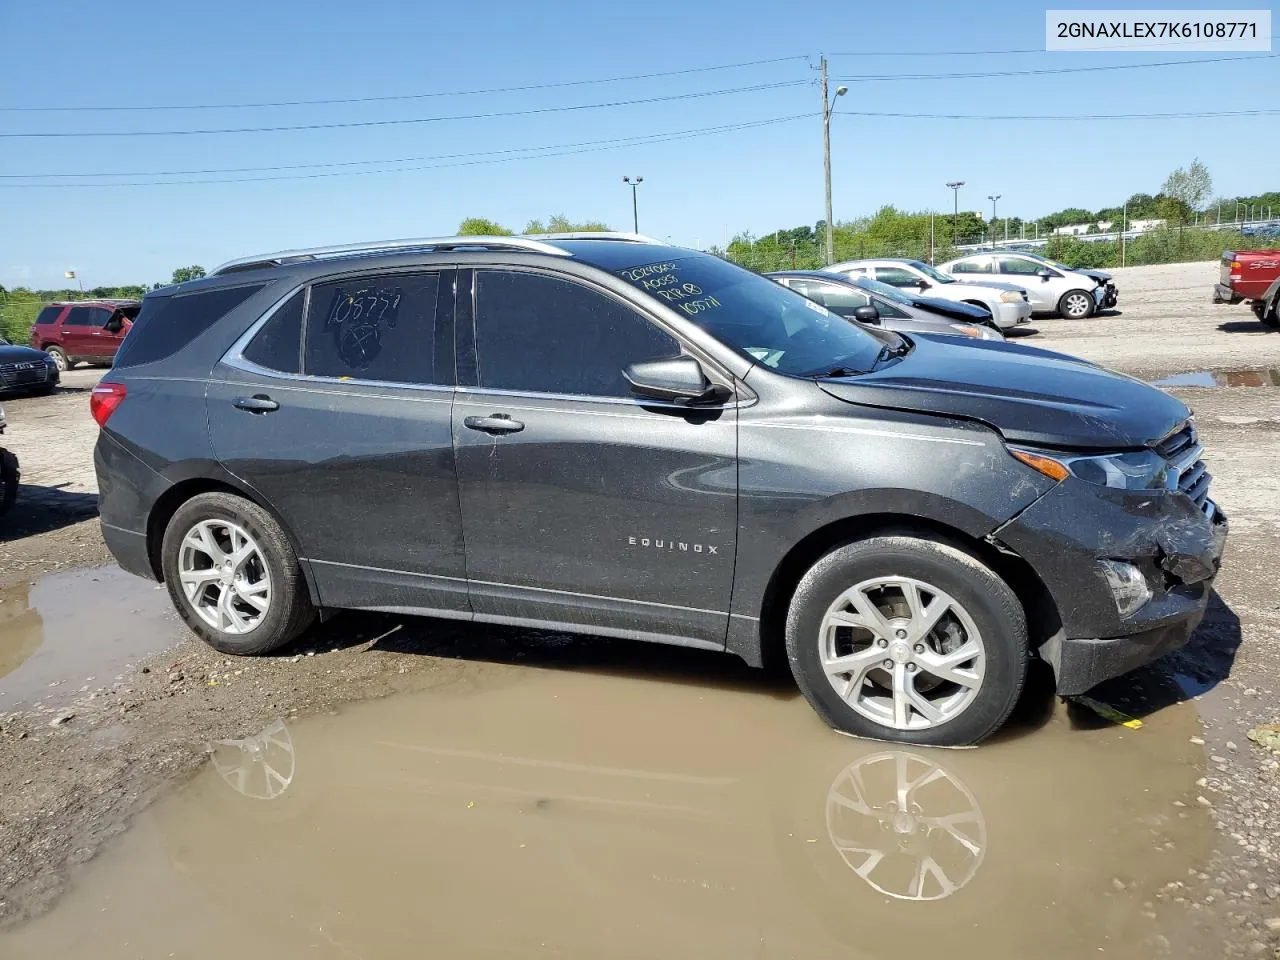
<point>827,107</point>
<point>955,186</point>
<point>993,197</point>
<point>1124,228</point>
<point>635,214</point>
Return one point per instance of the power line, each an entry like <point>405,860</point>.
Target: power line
<point>1076,116</point>
<point>411,120</point>
<point>869,78</point>
<point>406,96</point>
<point>1172,44</point>
<point>489,157</point>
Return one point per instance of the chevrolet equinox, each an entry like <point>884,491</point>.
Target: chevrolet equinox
<point>622,438</point>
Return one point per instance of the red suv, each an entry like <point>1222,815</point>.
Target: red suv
<point>90,330</point>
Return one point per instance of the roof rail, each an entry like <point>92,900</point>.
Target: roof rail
<point>594,235</point>
<point>387,246</point>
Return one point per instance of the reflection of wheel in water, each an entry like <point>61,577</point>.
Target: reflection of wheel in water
<point>261,766</point>
<point>906,826</point>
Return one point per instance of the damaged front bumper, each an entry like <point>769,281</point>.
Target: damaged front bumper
<point>1066,537</point>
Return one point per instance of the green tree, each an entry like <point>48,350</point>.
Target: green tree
<point>482,227</point>
<point>183,274</point>
<point>1184,193</point>
<point>562,224</point>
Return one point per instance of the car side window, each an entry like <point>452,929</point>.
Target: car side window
<point>547,335</point>
<point>48,315</point>
<point>1016,265</point>
<point>840,299</point>
<point>374,328</point>
<point>897,277</point>
<point>78,317</point>
<point>99,317</point>
<point>980,265</point>
<point>278,343</point>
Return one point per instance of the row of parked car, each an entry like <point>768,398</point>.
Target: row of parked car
<point>955,298</point>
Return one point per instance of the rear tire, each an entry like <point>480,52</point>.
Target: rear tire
<point>9,478</point>
<point>954,671</point>
<point>233,575</point>
<point>1076,305</point>
<point>60,358</point>
<point>1271,317</point>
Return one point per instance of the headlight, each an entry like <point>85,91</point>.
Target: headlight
<point>1011,296</point>
<point>966,330</point>
<point>1136,470</point>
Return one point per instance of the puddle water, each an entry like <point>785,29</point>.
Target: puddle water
<point>77,627</point>
<point>584,815</point>
<point>1269,377</point>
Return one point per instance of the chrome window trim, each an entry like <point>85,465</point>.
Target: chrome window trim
<point>480,392</point>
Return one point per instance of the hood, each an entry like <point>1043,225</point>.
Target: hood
<point>1100,275</point>
<point>12,353</point>
<point>1028,395</point>
<point>952,308</point>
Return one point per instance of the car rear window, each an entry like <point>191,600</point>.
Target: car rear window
<point>167,324</point>
<point>278,344</point>
<point>48,315</point>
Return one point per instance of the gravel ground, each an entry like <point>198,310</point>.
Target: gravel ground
<point>75,766</point>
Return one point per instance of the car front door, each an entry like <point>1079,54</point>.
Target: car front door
<point>346,434</point>
<point>1043,291</point>
<point>581,503</point>
<point>113,334</point>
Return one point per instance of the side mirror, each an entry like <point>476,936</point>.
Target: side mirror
<point>679,380</point>
<point>1044,273</point>
<point>866,314</point>
<point>923,284</point>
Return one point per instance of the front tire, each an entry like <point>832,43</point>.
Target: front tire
<point>233,575</point>
<point>1271,318</point>
<point>908,640</point>
<point>60,359</point>
<point>1076,305</point>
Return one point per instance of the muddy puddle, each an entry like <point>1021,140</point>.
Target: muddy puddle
<point>543,812</point>
<point>1269,377</point>
<point>77,629</point>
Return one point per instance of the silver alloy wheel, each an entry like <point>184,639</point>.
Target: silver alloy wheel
<point>59,360</point>
<point>902,653</point>
<point>906,825</point>
<point>224,576</point>
<point>1077,306</point>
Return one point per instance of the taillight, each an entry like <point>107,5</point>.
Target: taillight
<point>104,399</point>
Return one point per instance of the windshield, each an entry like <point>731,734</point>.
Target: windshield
<point>884,290</point>
<point>758,318</point>
<point>931,273</point>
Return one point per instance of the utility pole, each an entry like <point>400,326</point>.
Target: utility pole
<point>931,247</point>
<point>993,197</point>
<point>955,186</point>
<point>635,214</point>
<point>827,107</point>
<point>1124,228</point>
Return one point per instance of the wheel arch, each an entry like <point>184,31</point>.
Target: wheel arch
<point>1038,604</point>
<point>175,496</point>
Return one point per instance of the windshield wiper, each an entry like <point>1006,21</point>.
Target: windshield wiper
<point>836,372</point>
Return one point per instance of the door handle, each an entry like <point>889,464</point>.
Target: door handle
<point>498,423</point>
<point>259,403</point>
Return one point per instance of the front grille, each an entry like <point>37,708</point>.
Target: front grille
<point>21,374</point>
<point>1187,472</point>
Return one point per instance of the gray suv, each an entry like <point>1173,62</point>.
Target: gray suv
<point>622,438</point>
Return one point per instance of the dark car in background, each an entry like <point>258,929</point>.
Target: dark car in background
<point>846,298</point>
<point>88,331</point>
<point>621,438</point>
<point>25,370</point>
<point>952,309</point>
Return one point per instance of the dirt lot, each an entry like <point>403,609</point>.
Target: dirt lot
<point>106,705</point>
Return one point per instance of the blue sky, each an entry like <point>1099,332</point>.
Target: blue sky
<point>696,190</point>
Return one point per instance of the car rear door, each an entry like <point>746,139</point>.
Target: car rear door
<point>335,409</point>
<point>75,335</point>
<point>582,503</point>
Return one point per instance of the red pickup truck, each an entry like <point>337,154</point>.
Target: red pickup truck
<point>1252,275</point>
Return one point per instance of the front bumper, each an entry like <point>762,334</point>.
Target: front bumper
<point>1009,315</point>
<point>1176,545</point>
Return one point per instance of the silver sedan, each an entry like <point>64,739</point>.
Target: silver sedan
<point>1055,289</point>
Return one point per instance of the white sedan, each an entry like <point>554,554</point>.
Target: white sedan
<point>1053,289</point>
